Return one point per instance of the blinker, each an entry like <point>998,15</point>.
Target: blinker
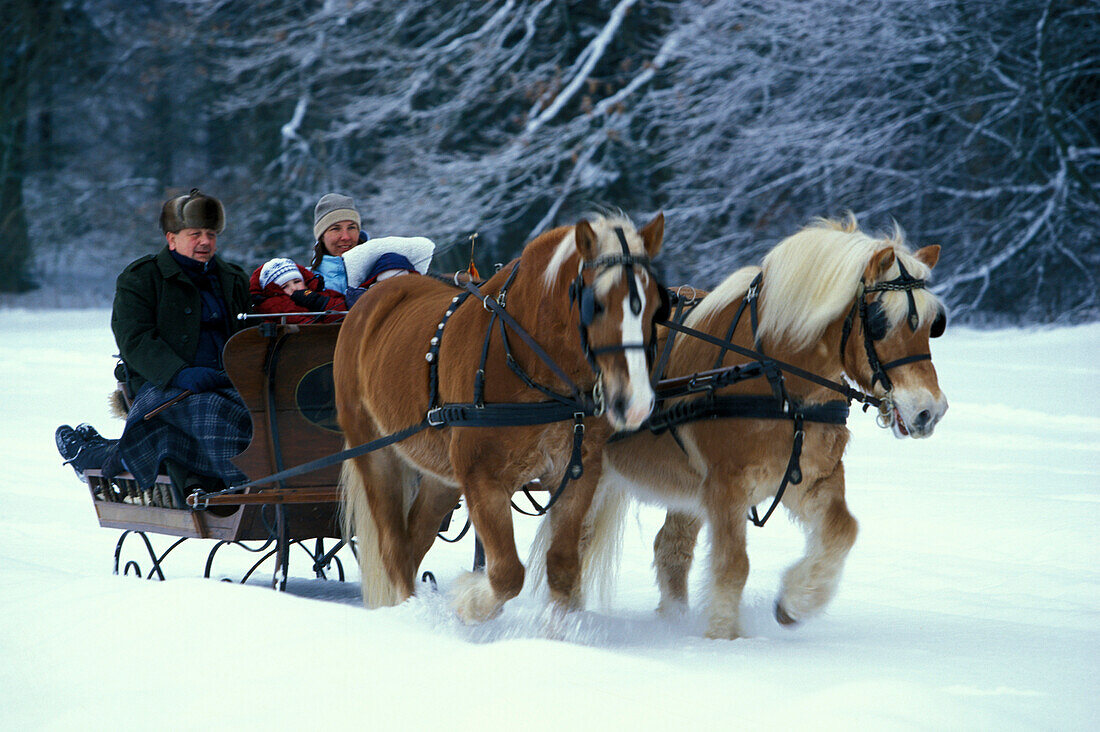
<point>938,325</point>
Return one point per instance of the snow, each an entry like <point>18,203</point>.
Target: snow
<point>970,601</point>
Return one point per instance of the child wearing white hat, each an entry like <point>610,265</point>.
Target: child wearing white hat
<point>281,287</point>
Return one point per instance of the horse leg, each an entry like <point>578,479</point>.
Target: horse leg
<point>673,551</point>
<point>569,529</point>
<point>812,581</point>
<point>479,596</point>
<point>432,503</point>
<point>727,506</point>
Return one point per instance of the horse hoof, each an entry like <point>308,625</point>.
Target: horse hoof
<point>782,616</point>
<point>473,598</point>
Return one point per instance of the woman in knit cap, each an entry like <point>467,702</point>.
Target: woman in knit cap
<point>337,228</point>
<point>281,286</point>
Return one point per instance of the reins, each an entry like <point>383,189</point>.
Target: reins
<point>847,391</point>
<point>779,405</point>
<point>576,406</point>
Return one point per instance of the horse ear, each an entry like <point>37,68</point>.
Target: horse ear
<point>586,240</point>
<point>929,255</point>
<point>879,263</point>
<point>653,234</point>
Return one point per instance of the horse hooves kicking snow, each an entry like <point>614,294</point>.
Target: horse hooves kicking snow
<point>783,618</point>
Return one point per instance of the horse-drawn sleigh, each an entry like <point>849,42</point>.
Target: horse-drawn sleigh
<point>559,375</point>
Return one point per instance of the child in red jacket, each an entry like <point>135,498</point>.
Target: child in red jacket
<point>281,286</point>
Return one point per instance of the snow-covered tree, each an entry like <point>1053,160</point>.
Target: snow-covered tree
<point>972,124</point>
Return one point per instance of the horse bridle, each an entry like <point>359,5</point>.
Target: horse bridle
<point>875,325</point>
<point>585,297</point>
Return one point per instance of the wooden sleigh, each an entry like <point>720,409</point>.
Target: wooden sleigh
<point>284,375</point>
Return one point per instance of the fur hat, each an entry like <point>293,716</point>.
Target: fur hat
<point>279,271</point>
<point>331,209</point>
<point>195,210</point>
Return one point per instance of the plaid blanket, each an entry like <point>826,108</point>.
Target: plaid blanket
<point>202,432</point>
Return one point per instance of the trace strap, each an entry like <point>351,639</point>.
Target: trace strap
<point>330,460</point>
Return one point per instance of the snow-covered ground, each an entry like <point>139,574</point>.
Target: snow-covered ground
<point>971,599</point>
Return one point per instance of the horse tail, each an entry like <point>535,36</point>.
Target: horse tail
<point>357,521</point>
<point>600,546</point>
<point>602,542</point>
<point>536,559</point>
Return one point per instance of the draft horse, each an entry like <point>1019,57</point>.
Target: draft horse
<point>587,297</point>
<point>830,300</point>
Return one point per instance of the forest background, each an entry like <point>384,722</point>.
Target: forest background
<point>970,123</point>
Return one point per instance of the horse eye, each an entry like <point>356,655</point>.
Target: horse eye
<point>938,325</point>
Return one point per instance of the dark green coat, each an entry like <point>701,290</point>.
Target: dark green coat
<point>156,315</point>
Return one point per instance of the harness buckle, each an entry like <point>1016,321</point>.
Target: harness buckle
<point>435,417</point>
<point>697,383</point>
<point>578,423</point>
<point>200,503</point>
<point>502,298</point>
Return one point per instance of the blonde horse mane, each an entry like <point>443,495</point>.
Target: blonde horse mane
<point>811,277</point>
<point>604,226</point>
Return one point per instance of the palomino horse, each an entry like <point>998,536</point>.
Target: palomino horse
<point>811,285</point>
<point>395,498</point>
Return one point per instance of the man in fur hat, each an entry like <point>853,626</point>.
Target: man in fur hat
<point>173,313</point>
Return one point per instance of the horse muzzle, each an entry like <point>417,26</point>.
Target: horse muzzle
<point>910,415</point>
<point>627,410</point>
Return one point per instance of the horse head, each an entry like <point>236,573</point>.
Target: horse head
<point>891,320</point>
<point>615,296</point>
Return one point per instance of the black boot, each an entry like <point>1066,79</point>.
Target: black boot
<point>69,443</point>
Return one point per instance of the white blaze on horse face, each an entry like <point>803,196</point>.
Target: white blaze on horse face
<point>641,392</point>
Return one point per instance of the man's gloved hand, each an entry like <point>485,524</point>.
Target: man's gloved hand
<point>200,378</point>
<point>312,301</point>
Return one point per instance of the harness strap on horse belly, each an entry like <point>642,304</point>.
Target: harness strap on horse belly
<point>573,470</point>
<point>793,474</point>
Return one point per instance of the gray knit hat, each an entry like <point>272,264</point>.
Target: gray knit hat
<point>195,210</point>
<point>331,209</point>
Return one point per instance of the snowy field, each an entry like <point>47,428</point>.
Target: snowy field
<point>971,599</point>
